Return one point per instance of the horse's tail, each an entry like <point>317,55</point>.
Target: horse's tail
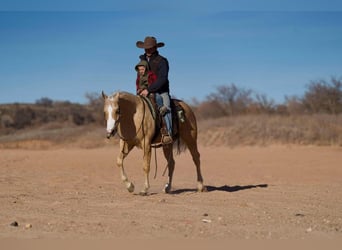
<point>179,146</point>
<point>186,129</point>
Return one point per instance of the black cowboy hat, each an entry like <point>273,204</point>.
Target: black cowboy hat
<point>149,42</point>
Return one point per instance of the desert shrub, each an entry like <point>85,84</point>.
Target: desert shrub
<point>233,100</point>
<point>45,102</point>
<point>294,105</point>
<point>318,129</point>
<point>95,106</point>
<point>94,100</point>
<point>209,109</point>
<point>324,97</point>
<point>23,117</point>
<point>81,117</point>
<point>6,121</point>
<point>264,104</point>
<point>281,109</point>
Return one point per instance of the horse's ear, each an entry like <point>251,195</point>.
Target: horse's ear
<point>104,95</point>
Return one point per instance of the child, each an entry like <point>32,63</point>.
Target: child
<point>144,76</point>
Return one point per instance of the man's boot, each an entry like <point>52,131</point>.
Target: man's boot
<point>167,131</point>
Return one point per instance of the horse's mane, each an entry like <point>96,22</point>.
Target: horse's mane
<point>122,97</point>
<point>124,94</point>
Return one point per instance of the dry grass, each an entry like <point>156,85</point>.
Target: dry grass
<point>55,135</point>
<point>272,129</point>
<point>229,131</point>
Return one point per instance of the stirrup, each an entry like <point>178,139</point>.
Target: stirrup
<point>163,110</point>
<point>166,139</point>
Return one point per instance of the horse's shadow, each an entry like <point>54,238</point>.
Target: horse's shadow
<point>224,188</point>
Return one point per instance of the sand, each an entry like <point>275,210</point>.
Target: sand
<point>272,192</point>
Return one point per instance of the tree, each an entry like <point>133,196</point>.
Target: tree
<point>233,100</point>
<point>95,105</point>
<point>294,105</point>
<point>45,102</point>
<point>324,97</point>
<point>265,105</point>
<point>209,109</point>
<point>23,117</point>
<point>94,99</point>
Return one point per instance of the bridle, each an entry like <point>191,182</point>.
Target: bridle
<point>115,129</point>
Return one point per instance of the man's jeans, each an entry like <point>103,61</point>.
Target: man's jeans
<point>163,99</point>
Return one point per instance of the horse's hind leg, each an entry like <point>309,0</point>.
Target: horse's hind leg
<point>124,150</point>
<point>168,154</point>
<point>192,146</point>
<point>196,158</point>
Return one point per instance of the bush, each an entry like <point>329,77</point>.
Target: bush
<point>209,109</point>
<point>6,121</point>
<point>23,117</point>
<point>233,100</point>
<point>324,97</point>
<point>45,102</point>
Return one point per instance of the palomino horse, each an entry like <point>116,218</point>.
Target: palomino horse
<point>130,117</point>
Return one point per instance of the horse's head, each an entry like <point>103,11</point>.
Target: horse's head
<point>111,113</point>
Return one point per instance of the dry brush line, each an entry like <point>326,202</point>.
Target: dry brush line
<point>227,131</point>
<point>272,129</point>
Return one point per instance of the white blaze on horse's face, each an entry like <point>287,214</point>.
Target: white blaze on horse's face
<point>110,119</point>
<point>111,114</point>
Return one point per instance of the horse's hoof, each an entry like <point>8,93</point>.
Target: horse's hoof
<point>143,193</point>
<point>130,188</point>
<point>167,188</point>
<point>202,188</point>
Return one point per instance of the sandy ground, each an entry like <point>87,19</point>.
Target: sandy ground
<point>273,192</point>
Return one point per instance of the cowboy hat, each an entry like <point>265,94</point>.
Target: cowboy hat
<point>149,42</point>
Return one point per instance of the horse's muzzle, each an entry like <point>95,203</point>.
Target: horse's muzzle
<point>110,134</point>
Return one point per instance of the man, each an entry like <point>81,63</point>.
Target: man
<point>160,87</point>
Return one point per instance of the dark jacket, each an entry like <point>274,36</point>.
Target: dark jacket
<point>160,66</point>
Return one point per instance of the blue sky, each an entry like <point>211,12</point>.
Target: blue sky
<point>65,49</point>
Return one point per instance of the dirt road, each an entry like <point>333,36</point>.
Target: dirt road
<point>274,192</point>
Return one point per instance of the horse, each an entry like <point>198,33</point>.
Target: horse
<point>130,117</point>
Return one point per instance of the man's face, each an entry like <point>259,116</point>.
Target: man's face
<point>150,51</point>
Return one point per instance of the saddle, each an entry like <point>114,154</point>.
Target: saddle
<point>177,114</point>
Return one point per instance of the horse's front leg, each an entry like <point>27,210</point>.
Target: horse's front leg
<point>125,148</point>
<point>146,167</point>
<point>168,154</point>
